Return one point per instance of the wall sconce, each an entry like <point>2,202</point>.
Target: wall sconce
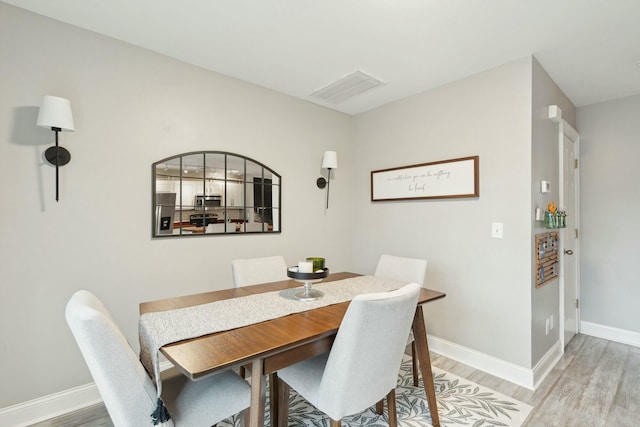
<point>329,161</point>
<point>55,113</point>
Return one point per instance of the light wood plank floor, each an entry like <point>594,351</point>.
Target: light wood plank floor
<point>596,383</point>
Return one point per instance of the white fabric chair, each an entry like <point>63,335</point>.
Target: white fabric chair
<point>258,270</point>
<point>363,364</point>
<point>410,270</point>
<point>129,393</point>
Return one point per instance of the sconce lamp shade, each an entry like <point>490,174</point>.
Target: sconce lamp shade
<point>55,112</point>
<point>330,160</point>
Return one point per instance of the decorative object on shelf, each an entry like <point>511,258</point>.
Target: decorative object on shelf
<point>55,113</point>
<point>547,262</point>
<point>455,178</point>
<point>307,293</point>
<point>329,161</point>
<point>553,218</point>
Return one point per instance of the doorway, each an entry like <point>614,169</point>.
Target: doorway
<point>569,289</point>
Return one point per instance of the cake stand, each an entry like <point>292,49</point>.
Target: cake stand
<point>307,293</point>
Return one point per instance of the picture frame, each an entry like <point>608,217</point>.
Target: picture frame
<point>445,179</point>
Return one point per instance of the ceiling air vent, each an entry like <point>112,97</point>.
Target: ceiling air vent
<point>347,87</point>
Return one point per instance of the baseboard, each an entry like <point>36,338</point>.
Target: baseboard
<point>492,365</point>
<point>546,364</point>
<point>609,333</point>
<point>51,406</point>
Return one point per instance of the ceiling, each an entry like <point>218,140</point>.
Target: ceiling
<point>591,48</point>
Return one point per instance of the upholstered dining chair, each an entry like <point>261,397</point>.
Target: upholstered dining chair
<point>363,364</point>
<point>129,393</point>
<point>254,271</point>
<point>410,270</point>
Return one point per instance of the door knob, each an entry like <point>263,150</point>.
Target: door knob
<point>568,251</point>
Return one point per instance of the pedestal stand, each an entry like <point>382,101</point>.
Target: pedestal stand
<point>307,293</point>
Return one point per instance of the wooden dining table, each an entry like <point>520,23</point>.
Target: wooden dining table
<point>274,344</point>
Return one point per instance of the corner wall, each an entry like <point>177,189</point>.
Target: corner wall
<point>544,166</point>
<point>486,280</point>
<point>133,107</point>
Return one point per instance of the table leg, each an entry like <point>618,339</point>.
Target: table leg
<point>422,348</point>
<point>274,393</point>
<point>258,392</point>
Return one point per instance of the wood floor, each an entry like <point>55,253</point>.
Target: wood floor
<point>596,383</point>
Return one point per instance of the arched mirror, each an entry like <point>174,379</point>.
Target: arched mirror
<point>212,193</point>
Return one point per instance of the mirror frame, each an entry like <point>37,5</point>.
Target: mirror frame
<point>163,215</point>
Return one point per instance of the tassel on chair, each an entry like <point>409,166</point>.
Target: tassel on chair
<point>160,415</point>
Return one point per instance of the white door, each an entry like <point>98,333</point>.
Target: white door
<point>570,256</point>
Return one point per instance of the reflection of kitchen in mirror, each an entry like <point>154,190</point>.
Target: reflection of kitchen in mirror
<point>214,193</point>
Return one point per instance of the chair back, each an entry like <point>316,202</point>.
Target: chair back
<point>409,270</point>
<point>258,270</point>
<point>365,359</point>
<point>127,390</point>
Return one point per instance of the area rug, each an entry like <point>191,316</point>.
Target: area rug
<point>460,403</point>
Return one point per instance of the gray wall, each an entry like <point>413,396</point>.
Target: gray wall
<point>133,107</point>
<point>544,166</point>
<point>486,280</point>
<point>610,197</point>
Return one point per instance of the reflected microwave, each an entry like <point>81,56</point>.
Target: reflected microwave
<point>208,201</point>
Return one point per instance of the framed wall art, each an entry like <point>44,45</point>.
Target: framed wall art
<point>455,178</point>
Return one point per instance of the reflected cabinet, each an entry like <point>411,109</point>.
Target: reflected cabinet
<point>212,193</point>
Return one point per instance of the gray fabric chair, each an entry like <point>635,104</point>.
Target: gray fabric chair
<point>258,270</point>
<point>129,393</point>
<point>410,270</point>
<point>363,364</point>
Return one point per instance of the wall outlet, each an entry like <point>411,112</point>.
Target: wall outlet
<point>546,328</point>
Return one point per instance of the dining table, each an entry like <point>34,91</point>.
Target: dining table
<point>276,343</point>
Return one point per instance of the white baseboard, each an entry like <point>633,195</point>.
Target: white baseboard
<point>53,405</point>
<point>546,364</point>
<point>609,333</point>
<point>43,408</point>
<point>528,378</point>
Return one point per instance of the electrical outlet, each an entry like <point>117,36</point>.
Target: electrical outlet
<point>546,328</point>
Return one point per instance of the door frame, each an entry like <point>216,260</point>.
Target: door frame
<point>565,129</point>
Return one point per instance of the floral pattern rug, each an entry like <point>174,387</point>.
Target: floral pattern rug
<point>460,403</point>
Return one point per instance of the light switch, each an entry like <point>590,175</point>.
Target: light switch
<point>496,230</point>
<point>545,186</point>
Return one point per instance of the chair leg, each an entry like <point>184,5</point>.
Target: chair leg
<point>380,407</point>
<point>334,423</point>
<point>414,360</point>
<point>244,418</point>
<point>283,403</point>
<point>391,405</point>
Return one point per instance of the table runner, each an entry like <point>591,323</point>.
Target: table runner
<point>158,329</point>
